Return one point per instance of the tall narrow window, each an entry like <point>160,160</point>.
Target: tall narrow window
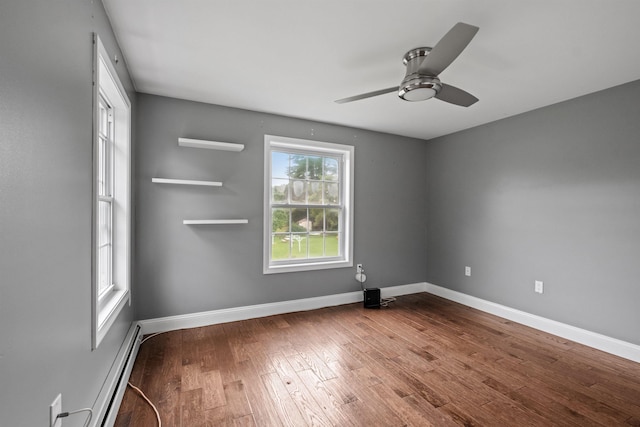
<point>112,182</point>
<point>308,205</point>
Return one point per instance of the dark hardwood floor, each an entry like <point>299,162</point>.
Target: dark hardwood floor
<point>422,361</point>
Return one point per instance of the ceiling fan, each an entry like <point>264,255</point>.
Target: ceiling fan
<point>423,64</point>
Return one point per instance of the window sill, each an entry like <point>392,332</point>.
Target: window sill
<point>310,266</point>
<point>110,307</point>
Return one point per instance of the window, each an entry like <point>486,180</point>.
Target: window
<point>112,182</point>
<point>308,205</point>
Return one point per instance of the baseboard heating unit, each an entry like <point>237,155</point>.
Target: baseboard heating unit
<point>112,392</point>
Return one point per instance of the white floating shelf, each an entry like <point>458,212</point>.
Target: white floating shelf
<point>214,221</point>
<point>186,182</point>
<point>213,145</point>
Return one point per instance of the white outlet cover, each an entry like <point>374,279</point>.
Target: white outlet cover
<point>467,271</point>
<point>54,409</point>
<point>539,286</point>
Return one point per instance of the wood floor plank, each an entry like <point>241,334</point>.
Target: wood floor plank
<point>407,412</point>
<point>213,394</point>
<point>190,379</point>
<point>287,409</point>
<point>191,412</point>
<point>263,407</point>
<point>218,417</point>
<point>246,421</point>
<point>633,421</point>
<point>462,415</point>
<point>422,361</point>
<point>237,402</point>
<point>624,402</point>
<point>329,403</point>
<point>307,405</point>
<point>349,380</point>
<point>549,408</point>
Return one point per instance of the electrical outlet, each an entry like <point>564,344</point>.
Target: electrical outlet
<point>467,271</point>
<point>54,409</point>
<point>358,268</point>
<point>538,286</point>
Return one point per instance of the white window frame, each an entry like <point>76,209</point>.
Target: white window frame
<point>346,152</point>
<point>108,301</point>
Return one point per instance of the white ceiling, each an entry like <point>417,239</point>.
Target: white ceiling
<point>295,57</point>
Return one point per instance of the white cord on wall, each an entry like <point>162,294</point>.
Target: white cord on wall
<point>361,277</point>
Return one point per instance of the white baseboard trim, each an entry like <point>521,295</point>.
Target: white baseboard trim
<point>601,342</point>
<point>396,291</point>
<point>195,320</point>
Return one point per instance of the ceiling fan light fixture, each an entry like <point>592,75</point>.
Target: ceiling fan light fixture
<point>424,64</point>
<point>419,88</point>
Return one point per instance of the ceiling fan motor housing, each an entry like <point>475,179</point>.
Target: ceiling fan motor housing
<point>416,86</point>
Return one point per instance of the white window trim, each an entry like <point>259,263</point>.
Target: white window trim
<point>272,141</point>
<point>105,307</point>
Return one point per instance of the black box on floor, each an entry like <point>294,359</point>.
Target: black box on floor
<point>372,298</point>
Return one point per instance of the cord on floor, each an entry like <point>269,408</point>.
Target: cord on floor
<point>148,401</point>
<point>150,336</point>
<point>384,302</point>
<point>140,392</point>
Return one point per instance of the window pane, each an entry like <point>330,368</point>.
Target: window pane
<point>279,164</point>
<point>299,221</point>
<point>105,163</point>
<point>297,166</point>
<point>280,220</point>
<point>104,167</point>
<point>316,219</point>
<point>104,245</point>
<point>280,247</point>
<point>315,192</point>
<point>333,220</point>
<point>331,193</point>
<point>104,117</point>
<point>316,245</point>
<point>331,244</point>
<point>101,167</point>
<point>299,244</point>
<point>279,190</point>
<point>314,167</point>
<point>298,191</point>
<point>330,169</point>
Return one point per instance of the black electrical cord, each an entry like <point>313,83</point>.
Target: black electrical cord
<point>66,414</point>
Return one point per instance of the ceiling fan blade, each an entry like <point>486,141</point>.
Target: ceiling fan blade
<point>448,49</point>
<point>367,95</point>
<point>453,95</point>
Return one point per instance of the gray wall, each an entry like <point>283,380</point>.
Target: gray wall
<point>186,269</point>
<point>551,195</point>
<point>45,210</point>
